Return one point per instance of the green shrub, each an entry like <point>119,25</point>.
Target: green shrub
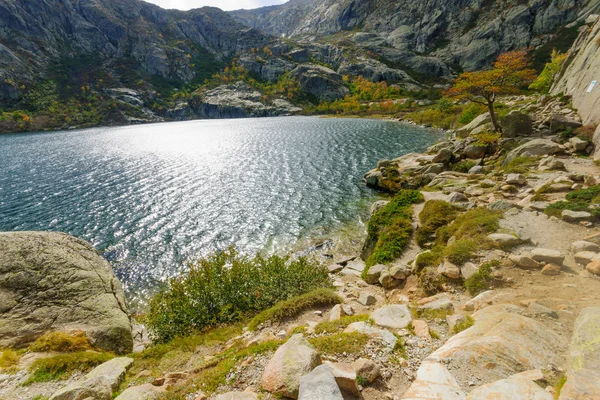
<point>546,78</point>
<point>584,195</point>
<point>431,258</point>
<point>391,227</point>
<point>463,166</point>
<point>62,366</point>
<point>462,250</point>
<point>481,280</point>
<point>476,222</point>
<point>61,342</point>
<point>462,325</point>
<point>296,305</point>
<point>226,287</point>
<point>435,214</point>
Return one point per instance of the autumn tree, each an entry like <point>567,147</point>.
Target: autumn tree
<point>510,72</point>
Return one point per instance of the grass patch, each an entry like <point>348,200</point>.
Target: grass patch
<point>64,365</point>
<point>62,342</point>
<point>434,334</point>
<point>294,306</point>
<point>339,324</point>
<point>462,325</point>
<point>349,343</point>
<point>431,314</point>
<point>390,229</point>
<point>520,165</point>
<point>462,251</point>
<point>9,360</point>
<point>578,200</point>
<point>435,214</point>
<point>481,280</point>
<point>227,287</point>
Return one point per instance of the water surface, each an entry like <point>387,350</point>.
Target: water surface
<point>150,197</point>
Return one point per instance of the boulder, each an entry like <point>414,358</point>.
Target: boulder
<point>515,179</point>
<point>366,369</point>
<point>559,123</point>
<point>439,304</point>
<point>511,388</point>
<point>457,197</point>
<point>583,245</point>
<point>578,144</point>
<point>367,299</point>
<point>575,216</point>
<point>480,301</point>
<point>363,327</point>
<point>400,271</point>
<point>146,391</point>
<point>434,382</point>
<point>377,206</point>
<point>374,273</point>
<point>468,270</point>
<point>594,267</point>
<point>336,313</point>
<point>504,239</point>
<point>387,281</point>
<point>345,377</point>
<point>501,343</point>
<point>477,169</point>
<point>99,384</point>
<point>535,147</point>
<point>583,368</point>
<point>449,270</point>
<point>421,329</point>
<point>395,316</point>
<point>552,164</point>
<point>56,282</point>
<point>476,123</point>
<point>474,151</point>
<point>516,124</point>
<point>443,156</point>
<point>334,268</point>
<point>319,384</point>
<point>547,256</point>
<point>289,364</point>
<point>585,257</point>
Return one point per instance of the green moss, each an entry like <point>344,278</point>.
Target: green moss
<point>294,306</point>
<point>339,324</point>
<point>462,325</point>
<point>64,365</point>
<point>390,228</point>
<point>578,200</point>
<point>349,343</point>
<point>558,385</point>
<point>481,280</point>
<point>435,214</point>
<point>520,165</point>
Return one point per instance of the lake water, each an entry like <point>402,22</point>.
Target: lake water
<point>150,197</point>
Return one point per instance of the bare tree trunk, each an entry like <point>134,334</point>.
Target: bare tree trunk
<point>494,117</point>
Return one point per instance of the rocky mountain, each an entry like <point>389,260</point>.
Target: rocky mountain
<point>463,34</point>
<point>128,38</point>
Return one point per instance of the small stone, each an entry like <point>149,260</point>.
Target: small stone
<point>158,381</point>
<point>515,179</point>
<point>387,280</point>
<point>457,197</point>
<point>524,262</point>
<point>318,312</point>
<point>345,377</point>
<point>583,245</point>
<point>336,313</point>
<point>367,299</point>
<point>319,384</point>
<point>585,257</point>
<point>468,270</point>
<point>421,329</point>
<point>449,270</point>
<point>575,216</point>
<point>348,310</point>
<point>504,239</point>
<point>551,270</point>
<point>480,301</point>
<point>442,303</point>
<point>374,273</point>
<point>400,271</point>
<point>594,267</point>
<point>547,255</point>
<point>366,369</point>
<point>334,268</point>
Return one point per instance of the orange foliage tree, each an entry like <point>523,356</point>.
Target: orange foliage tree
<point>510,72</point>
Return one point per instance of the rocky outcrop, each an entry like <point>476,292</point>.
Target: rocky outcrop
<point>320,82</point>
<point>583,373</point>
<point>582,68</point>
<point>239,100</point>
<point>55,282</point>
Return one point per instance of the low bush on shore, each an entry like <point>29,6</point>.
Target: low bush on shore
<point>390,228</point>
<point>227,287</point>
<point>435,214</point>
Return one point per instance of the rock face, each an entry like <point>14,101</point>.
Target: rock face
<point>500,343</point>
<point>321,82</point>
<point>52,281</point>
<point>536,147</point>
<point>583,67</point>
<point>239,100</point>
<point>583,373</point>
<point>289,364</point>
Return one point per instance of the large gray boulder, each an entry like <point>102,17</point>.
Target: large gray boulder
<point>583,369</point>
<point>290,362</point>
<point>515,124</point>
<point>319,384</point>
<point>536,147</point>
<point>56,282</point>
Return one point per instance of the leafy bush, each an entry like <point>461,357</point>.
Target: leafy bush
<point>546,78</point>
<point>63,365</point>
<point>296,305</point>
<point>226,287</point>
<point>61,342</point>
<point>433,117</point>
<point>435,214</point>
<point>480,281</point>
<point>472,111</point>
<point>461,251</point>
<point>391,227</point>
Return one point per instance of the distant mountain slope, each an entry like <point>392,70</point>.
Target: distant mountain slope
<point>166,43</point>
<point>464,33</point>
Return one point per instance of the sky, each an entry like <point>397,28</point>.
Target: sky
<point>222,4</point>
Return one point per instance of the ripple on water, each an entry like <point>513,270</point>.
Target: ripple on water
<point>150,197</point>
